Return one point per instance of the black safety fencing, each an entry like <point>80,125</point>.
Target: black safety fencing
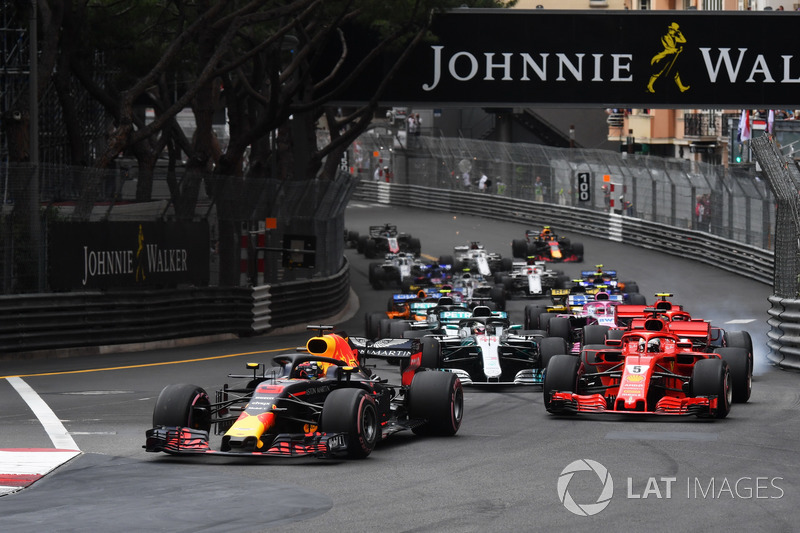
<point>59,321</point>
<point>750,261</point>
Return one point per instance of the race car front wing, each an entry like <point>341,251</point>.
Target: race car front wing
<point>569,402</point>
<point>188,441</point>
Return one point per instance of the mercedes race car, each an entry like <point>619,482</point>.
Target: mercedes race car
<point>649,370</point>
<point>320,402</point>
<point>484,349</point>
<point>386,239</point>
<point>546,246</point>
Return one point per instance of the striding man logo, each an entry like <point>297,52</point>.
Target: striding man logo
<point>666,62</point>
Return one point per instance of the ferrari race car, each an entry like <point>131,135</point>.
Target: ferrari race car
<point>386,239</point>
<point>486,350</point>
<point>321,402</point>
<point>649,370</point>
<point>546,246</point>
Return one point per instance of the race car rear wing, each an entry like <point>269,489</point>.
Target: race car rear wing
<point>386,348</point>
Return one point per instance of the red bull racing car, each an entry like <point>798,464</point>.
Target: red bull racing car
<point>545,245</point>
<point>322,402</point>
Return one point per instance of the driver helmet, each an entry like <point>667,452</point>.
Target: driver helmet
<point>653,346</point>
<point>479,329</point>
<point>309,370</point>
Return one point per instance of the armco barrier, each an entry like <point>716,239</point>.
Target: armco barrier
<point>59,321</point>
<point>746,260</point>
<point>784,337</point>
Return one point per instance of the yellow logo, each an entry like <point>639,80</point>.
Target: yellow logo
<point>635,378</point>
<point>665,63</point>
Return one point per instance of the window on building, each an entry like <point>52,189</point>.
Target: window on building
<point>644,4</point>
<point>712,5</point>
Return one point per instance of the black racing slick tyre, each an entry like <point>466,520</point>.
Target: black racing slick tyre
<point>635,298</point>
<point>372,325</point>
<point>561,375</point>
<point>397,328</point>
<point>352,412</point>
<point>739,339</point>
<point>712,377</point>
<point>183,405</point>
<point>594,334</point>
<point>431,353</point>
<point>738,360</point>
<point>532,313</point>
<point>498,296</point>
<point>519,248</point>
<point>577,249</point>
<point>560,326</point>
<point>549,347</point>
<point>438,399</point>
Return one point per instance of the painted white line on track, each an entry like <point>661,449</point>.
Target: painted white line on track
<point>52,425</point>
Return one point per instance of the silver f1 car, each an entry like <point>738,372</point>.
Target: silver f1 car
<point>485,349</point>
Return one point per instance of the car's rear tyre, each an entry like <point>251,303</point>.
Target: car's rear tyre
<point>352,412</point>
<point>498,295</point>
<point>738,360</point>
<point>431,353</point>
<point>384,326</point>
<point>712,377</point>
<point>183,405</point>
<point>519,248</point>
<point>532,314</point>
<point>561,375</point>
<point>577,249</point>
<point>549,347</point>
<point>376,275</point>
<point>635,298</point>
<point>544,321</point>
<point>370,249</point>
<point>560,326</point>
<point>372,324</point>
<point>739,339</point>
<point>594,334</point>
<point>415,246</point>
<point>397,328</point>
<point>438,398</point>
<point>631,286</point>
